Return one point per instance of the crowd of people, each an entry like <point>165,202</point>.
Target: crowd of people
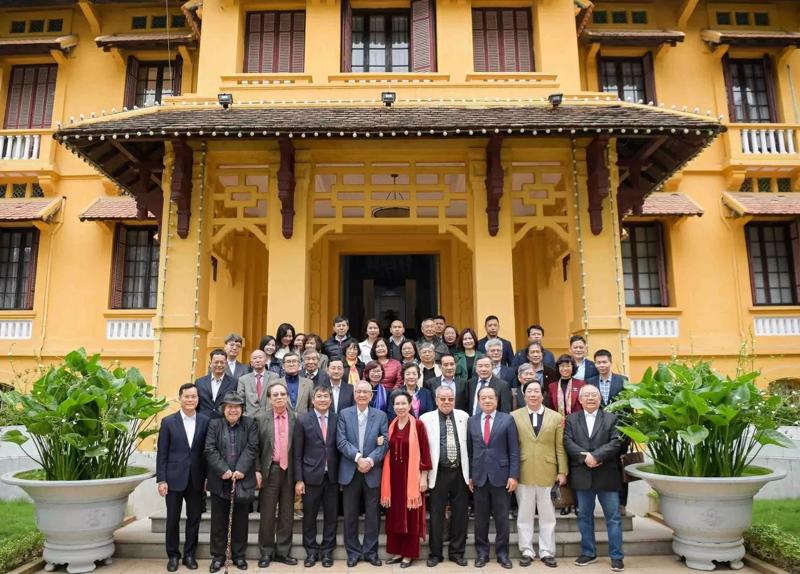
<point>448,425</point>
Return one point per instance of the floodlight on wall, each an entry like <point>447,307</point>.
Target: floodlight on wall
<point>555,99</point>
<point>225,100</point>
<point>388,98</point>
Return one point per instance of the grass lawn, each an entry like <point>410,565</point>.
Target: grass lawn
<point>783,513</point>
<point>16,517</point>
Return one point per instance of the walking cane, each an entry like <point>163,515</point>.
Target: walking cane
<point>228,558</point>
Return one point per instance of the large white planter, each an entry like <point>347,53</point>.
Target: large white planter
<point>78,517</point>
<point>707,515</point>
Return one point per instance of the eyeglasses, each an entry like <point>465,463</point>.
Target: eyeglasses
<point>362,392</point>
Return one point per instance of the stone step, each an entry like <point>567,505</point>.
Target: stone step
<point>567,523</point>
<point>136,540</point>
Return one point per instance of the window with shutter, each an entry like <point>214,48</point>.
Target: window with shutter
<point>423,36</point>
<point>380,41</point>
<point>149,82</point>
<point>502,40</point>
<point>630,79</point>
<point>750,87</point>
<point>134,276</point>
<point>771,253</point>
<point>31,91</point>
<point>643,266</point>
<point>275,42</point>
<point>18,251</point>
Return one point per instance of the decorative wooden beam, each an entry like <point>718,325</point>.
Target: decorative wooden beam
<point>181,184</point>
<point>59,57</point>
<point>147,200</point>
<point>685,13</point>
<point>598,184</point>
<point>286,185</point>
<point>92,16</point>
<point>494,182</point>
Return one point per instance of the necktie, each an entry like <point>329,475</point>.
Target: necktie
<point>283,455</point>
<point>258,386</point>
<point>486,429</point>
<point>324,426</point>
<point>452,453</point>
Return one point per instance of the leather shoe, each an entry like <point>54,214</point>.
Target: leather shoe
<point>351,562</point>
<point>406,563</point>
<point>327,561</point>
<point>375,561</point>
<point>241,563</point>
<point>505,562</point>
<point>172,565</point>
<point>525,561</point>
<point>190,562</point>
<point>433,561</point>
<point>394,560</point>
<point>288,560</point>
<point>481,561</point>
<point>215,566</point>
<point>460,560</point>
<point>264,562</point>
<point>549,561</point>
<point>310,561</point>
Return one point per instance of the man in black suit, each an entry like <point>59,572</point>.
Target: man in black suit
<point>484,378</point>
<point>492,325</point>
<point>494,350</point>
<point>233,346</point>
<point>316,468</point>
<point>449,379</point>
<point>592,443</point>
<point>341,392</point>
<point>181,474</point>
<point>578,350</point>
<point>311,368</point>
<point>493,447</point>
<point>610,384</point>
<point>213,387</point>
<point>535,335</point>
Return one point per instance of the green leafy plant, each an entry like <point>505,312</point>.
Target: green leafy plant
<point>17,550</point>
<point>84,420</point>
<point>696,422</point>
<point>770,543</point>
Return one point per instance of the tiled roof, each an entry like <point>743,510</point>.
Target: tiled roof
<point>751,38</point>
<point>111,208</point>
<point>32,209</point>
<point>36,45</point>
<point>265,121</point>
<point>633,37</point>
<point>146,40</point>
<point>753,203</point>
<point>665,203</point>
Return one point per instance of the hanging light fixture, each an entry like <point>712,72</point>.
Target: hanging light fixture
<point>394,211</point>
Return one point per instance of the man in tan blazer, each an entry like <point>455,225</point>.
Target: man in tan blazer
<point>253,386</point>
<point>543,461</point>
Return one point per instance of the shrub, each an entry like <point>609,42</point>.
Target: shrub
<point>771,544</point>
<point>17,550</point>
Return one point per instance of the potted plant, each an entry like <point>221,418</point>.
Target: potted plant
<point>702,431</point>
<point>85,421</point>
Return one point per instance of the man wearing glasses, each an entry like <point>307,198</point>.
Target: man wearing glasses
<point>300,388</point>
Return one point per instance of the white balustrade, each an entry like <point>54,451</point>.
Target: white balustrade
<point>129,329</point>
<point>653,328</point>
<point>16,329</point>
<point>776,326</point>
<point>774,141</point>
<point>19,146</point>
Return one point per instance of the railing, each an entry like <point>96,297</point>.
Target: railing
<point>16,329</point>
<point>20,146</point>
<point>776,326</point>
<point>654,328</point>
<point>129,330</point>
<point>764,139</point>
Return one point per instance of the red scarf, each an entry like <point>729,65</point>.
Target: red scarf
<point>414,499</point>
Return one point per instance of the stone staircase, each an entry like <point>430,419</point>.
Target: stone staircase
<point>144,538</point>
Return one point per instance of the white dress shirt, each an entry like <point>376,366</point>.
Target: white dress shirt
<point>591,418</point>
<point>189,424</point>
<point>215,386</point>
<point>536,414</point>
<point>335,389</point>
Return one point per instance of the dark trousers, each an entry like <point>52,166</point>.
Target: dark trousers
<point>194,511</point>
<point>354,493</point>
<point>494,501</point>
<point>220,508</point>
<point>623,494</point>
<point>327,496</point>
<point>450,488</point>
<point>277,492</point>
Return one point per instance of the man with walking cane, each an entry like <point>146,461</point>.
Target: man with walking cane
<point>231,452</point>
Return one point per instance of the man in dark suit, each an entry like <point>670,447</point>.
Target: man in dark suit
<point>362,438</point>
<point>316,467</point>
<point>341,392</point>
<point>181,474</point>
<point>484,378</point>
<point>299,388</point>
<point>578,350</point>
<point>592,443</point>
<point>233,346</point>
<point>212,388</point>
<point>535,335</point>
<point>494,350</point>
<point>449,379</point>
<point>493,446</point>
<point>492,325</point>
<point>311,369</point>
<point>610,384</point>
<point>545,374</point>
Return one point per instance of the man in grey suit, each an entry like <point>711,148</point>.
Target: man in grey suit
<point>592,443</point>
<point>233,346</point>
<point>253,386</point>
<point>300,388</point>
<point>362,438</point>
<point>274,476</point>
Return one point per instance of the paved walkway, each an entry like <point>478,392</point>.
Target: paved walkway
<point>644,564</point>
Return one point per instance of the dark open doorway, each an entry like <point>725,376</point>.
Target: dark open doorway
<point>389,287</point>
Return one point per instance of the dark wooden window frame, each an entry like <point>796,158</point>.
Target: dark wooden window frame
<point>501,40</point>
<point>24,286</point>
<point>119,293</point>
<point>387,17</point>
<point>648,74</point>
<point>40,101</point>
<point>132,78</point>
<point>662,265</point>
<point>769,79</point>
<point>793,250</point>
<point>297,39</point>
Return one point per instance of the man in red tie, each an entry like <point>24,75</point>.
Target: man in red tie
<point>275,477</point>
<point>493,474</point>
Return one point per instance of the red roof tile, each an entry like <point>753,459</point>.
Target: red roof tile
<point>663,203</point>
<point>32,209</point>
<point>752,203</point>
<point>111,208</point>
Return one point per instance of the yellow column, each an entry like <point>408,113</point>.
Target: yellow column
<point>596,269</point>
<point>491,256</point>
<point>181,323</point>
<point>287,267</point>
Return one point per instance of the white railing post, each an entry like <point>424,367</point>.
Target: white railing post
<point>762,140</point>
<point>745,137</point>
<point>37,141</point>
<point>772,147</point>
<point>790,140</point>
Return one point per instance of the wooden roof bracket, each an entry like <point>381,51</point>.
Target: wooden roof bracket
<point>494,182</point>
<point>148,201</point>
<point>286,186</point>
<point>598,183</point>
<point>181,184</point>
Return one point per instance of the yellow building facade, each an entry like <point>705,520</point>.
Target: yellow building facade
<point>623,170</point>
